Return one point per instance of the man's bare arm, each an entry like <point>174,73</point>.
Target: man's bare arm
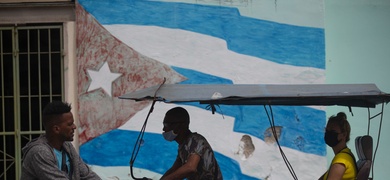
<point>185,170</point>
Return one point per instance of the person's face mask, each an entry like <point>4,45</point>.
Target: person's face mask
<point>169,136</point>
<point>331,138</point>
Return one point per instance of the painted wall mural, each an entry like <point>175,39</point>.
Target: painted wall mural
<point>128,45</point>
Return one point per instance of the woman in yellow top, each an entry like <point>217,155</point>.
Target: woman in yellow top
<point>337,134</point>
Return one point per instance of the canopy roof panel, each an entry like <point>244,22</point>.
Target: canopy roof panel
<point>352,95</point>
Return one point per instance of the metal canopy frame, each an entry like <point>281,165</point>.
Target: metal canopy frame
<point>351,95</point>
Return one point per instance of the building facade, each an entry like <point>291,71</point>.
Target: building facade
<point>37,49</point>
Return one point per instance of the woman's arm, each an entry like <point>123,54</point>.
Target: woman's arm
<point>336,171</point>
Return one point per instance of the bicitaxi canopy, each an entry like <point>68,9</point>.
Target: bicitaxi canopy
<point>351,95</point>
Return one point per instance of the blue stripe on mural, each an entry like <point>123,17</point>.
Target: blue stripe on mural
<point>303,127</point>
<point>115,148</point>
<point>280,43</point>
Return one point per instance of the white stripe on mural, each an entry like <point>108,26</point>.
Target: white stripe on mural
<point>210,55</point>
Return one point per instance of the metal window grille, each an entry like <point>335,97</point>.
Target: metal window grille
<point>31,74</point>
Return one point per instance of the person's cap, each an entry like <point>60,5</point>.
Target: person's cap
<point>177,115</point>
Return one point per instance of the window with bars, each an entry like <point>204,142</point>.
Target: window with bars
<point>31,73</point>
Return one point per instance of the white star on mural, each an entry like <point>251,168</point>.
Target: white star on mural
<point>102,78</point>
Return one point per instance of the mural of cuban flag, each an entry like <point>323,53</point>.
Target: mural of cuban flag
<point>129,45</point>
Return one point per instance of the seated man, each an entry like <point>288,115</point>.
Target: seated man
<point>52,155</point>
<point>195,159</point>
